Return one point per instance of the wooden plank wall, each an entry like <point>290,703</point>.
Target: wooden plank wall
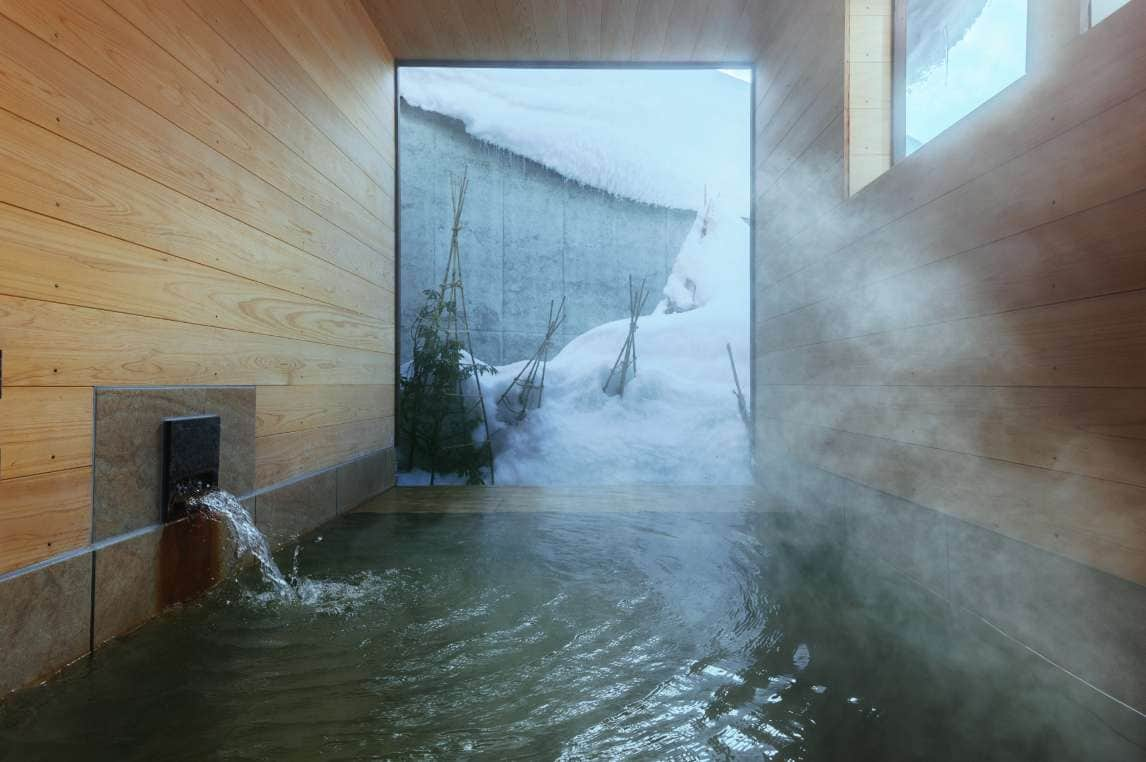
<point>969,331</point>
<point>191,192</point>
<point>572,30</point>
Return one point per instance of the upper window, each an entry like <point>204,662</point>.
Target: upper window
<point>957,54</point>
<point>1100,9</point>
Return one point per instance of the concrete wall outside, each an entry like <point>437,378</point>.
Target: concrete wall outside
<point>530,236</point>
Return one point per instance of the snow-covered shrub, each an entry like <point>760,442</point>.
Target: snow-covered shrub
<point>437,412</point>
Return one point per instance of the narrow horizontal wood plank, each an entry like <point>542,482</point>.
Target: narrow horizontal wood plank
<point>188,38</point>
<point>486,37</point>
<point>400,39</point>
<point>44,173</point>
<point>1093,253</point>
<point>762,26</point>
<point>282,409</point>
<point>84,30</point>
<point>419,34</point>
<point>44,430</point>
<point>54,261</point>
<point>1091,342</point>
<point>282,22</point>
<point>49,344</point>
<point>42,516</point>
<point>551,22</point>
<point>651,29</point>
<point>1099,433</point>
<point>234,22</point>
<point>696,31</point>
<point>1095,522</point>
<point>618,29</point>
<point>278,457</point>
<point>720,21</point>
<point>790,154</point>
<point>343,30</point>
<point>815,79</point>
<point>443,19</point>
<point>584,20</point>
<point>517,28</point>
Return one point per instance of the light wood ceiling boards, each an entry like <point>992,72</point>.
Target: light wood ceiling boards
<point>699,31</point>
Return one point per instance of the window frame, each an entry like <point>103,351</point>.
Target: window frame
<point>899,74</point>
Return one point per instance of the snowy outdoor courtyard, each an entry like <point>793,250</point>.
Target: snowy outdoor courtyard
<point>678,420</point>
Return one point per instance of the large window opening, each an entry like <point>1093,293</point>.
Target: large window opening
<point>603,244</point>
<point>958,54</point>
<point>917,67</point>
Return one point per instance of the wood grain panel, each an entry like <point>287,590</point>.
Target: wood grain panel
<point>1092,432</point>
<point>1096,522</point>
<point>517,28</point>
<point>283,22</point>
<point>42,516</point>
<point>235,23</point>
<point>551,23</point>
<point>44,430</point>
<point>1093,253</point>
<point>618,29</point>
<point>387,20</point>
<point>59,345</point>
<point>481,22</point>
<point>696,31</point>
<point>814,171</point>
<point>187,37</point>
<point>85,30</point>
<point>720,21</point>
<point>282,409</point>
<point>1089,342</point>
<point>280,456</point>
<point>585,18</point>
<point>651,29</point>
<point>54,261</point>
<point>748,34</point>
<point>450,28</point>
<point>800,84</point>
<point>44,173</point>
<point>1104,159</point>
<point>683,30</point>
<point>344,31</point>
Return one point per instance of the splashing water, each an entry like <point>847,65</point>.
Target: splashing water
<point>222,505</point>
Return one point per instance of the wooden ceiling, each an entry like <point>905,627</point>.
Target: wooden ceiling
<point>702,31</point>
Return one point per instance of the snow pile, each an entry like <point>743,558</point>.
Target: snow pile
<point>677,422</point>
<point>712,266</point>
<point>664,137</point>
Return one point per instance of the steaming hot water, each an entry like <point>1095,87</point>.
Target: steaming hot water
<point>552,636</point>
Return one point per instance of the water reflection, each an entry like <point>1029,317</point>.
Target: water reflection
<point>547,636</point>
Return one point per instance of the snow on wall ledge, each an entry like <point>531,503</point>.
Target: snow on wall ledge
<point>668,137</point>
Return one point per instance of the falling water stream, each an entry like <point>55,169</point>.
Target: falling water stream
<point>249,541</point>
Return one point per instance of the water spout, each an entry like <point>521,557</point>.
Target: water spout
<point>221,505</point>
